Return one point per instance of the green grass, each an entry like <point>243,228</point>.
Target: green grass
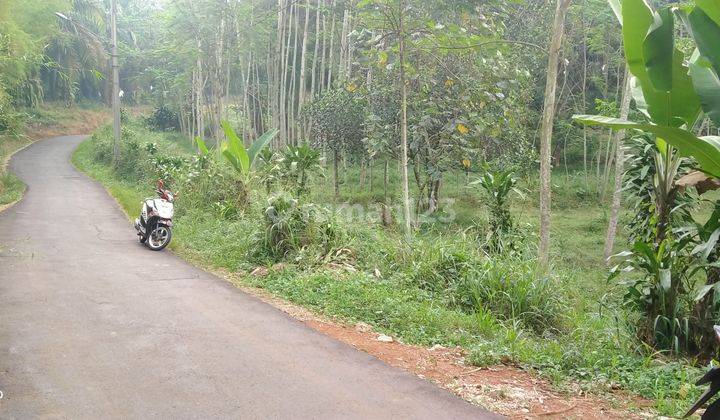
<point>129,195</point>
<point>11,188</point>
<point>441,288</point>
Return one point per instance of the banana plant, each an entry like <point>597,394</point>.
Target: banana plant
<point>202,147</point>
<point>670,93</point>
<point>673,95</point>
<point>234,150</point>
<point>497,186</point>
<point>203,155</point>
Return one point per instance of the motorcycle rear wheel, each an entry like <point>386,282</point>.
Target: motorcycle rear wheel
<point>159,238</point>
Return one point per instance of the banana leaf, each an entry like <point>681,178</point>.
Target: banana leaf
<point>234,150</point>
<point>260,144</point>
<point>706,150</point>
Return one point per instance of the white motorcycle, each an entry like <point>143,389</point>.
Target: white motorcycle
<point>154,226</point>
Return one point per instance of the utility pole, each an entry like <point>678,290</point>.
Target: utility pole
<point>115,83</point>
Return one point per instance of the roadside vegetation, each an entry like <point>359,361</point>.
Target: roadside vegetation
<point>11,188</point>
<point>45,72</point>
<point>447,286</point>
<point>449,172</point>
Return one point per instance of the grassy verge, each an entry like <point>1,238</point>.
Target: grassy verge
<point>11,188</point>
<point>569,326</point>
<point>127,194</point>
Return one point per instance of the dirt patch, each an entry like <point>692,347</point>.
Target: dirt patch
<point>76,121</point>
<point>506,390</point>
<point>503,389</point>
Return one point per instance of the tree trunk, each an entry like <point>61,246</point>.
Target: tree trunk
<point>303,59</point>
<point>276,68</point>
<point>404,123</point>
<point>293,82</point>
<point>361,182</point>
<point>370,173</point>
<point>433,198</point>
<point>248,128</point>
<point>332,46</point>
<point>199,88</point>
<point>342,76</point>
<point>385,181</point>
<point>584,100</point>
<point>284,86</point>
<point>316,49</point>
<point>217,83</point>
<point>547,129</point>
<point>115,84</point>
<point>609,157</point>
<point>350,49</point>
<point>323,57</point>
<point>619,160</point>
<point>336,159</point>
<point>258,120</point>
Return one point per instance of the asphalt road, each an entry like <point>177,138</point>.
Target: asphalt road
<point>93,325</point>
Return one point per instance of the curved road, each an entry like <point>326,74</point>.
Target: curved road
<point>93,325</point>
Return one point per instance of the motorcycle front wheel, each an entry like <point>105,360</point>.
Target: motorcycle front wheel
<point>159,238</point>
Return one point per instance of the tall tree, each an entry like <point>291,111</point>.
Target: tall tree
<point>303,58</point>
<point>403,118</point>
<point>619,160</point>
<point>546,129</point>
<point>115,83</point>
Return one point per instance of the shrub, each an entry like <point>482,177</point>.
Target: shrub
<point>291,227</point>
<point>497,187</point>
<point>440,268</point>
<point>206,184</point>
<point>514,288</point>
<point>163,118</point>
<point>661,293</point>
<point>511,288</point>
<point>270,169</point>
<point>300,164</point>
<point>166,167</point>
<point>102,146</point>
<point>11,122</point>
<point>133,164</point>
